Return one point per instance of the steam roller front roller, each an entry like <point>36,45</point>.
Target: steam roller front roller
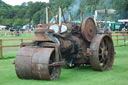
<point>37,63</point>
<point>102,48</point>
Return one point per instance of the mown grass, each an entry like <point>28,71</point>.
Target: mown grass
<point>12,51</point>
<point>78,76</point>
<point>24,35</point>
<point>118,75</point>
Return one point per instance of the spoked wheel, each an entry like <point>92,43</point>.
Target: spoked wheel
<point>34,63</point>
<point>102,53</point>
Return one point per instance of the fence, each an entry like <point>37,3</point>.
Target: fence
<point>8,33</point>
<point>117,36</point>
<point>120,32</point>
<point>7,46</point>
<point>120,36</point>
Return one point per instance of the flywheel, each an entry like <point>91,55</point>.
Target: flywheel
<point>88,29</point>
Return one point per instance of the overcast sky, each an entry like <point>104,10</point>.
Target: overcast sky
<point>19,2</point>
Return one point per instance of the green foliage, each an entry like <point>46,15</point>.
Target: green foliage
<point>8,22</point>
<point>34,13</point>
<point>36,18</point>
<point>125,5</point>
<point>18,22</point>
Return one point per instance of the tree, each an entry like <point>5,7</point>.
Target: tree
<point>7,22</point>
<point>34,13</point>
<point>18,22</point>
<point>36,18</point>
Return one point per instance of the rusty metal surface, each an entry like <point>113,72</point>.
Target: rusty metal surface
<point>41,35</point>
<point>26,44</point>
<point>33,63</point>
<point>88,29</point>
<point>78,45</point>
<point>42,25</point>
<point>102,52</point>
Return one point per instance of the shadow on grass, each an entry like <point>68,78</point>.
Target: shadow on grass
<point>5,58</point>
<point>77,71</point>
<point>84,68</point>
<point>121,46</point>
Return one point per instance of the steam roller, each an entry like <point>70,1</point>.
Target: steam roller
<point>56,45</point>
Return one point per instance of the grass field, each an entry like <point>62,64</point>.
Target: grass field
<point>11,52</point>
<point>77,76</point>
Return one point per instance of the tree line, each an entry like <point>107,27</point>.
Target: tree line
<point>34,13</point>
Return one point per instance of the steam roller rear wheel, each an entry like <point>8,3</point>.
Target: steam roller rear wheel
<point>33,63</point>
<point>102,50</point>
<point>88,29</point>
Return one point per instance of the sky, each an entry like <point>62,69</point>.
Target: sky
<point>19,2</point>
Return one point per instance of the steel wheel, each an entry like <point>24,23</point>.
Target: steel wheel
<point>54,71</point>
<point>33,63</point>
<point>102,53</point>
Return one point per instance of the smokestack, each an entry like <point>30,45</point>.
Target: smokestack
<point>69,17</point>
<point>60,14</point>
<point>81,16</point>
<point>47,19</point>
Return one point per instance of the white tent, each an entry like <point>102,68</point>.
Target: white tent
<point>2,27</point>
<point>123,20</point>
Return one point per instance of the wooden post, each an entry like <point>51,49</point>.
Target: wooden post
<point>1,49</point>
<point>21,40</point>
<point>5,34</point>
<point>125,39</point>
<point>117,39</point>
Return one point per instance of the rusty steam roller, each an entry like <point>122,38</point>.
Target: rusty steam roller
<point>63,44</point>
